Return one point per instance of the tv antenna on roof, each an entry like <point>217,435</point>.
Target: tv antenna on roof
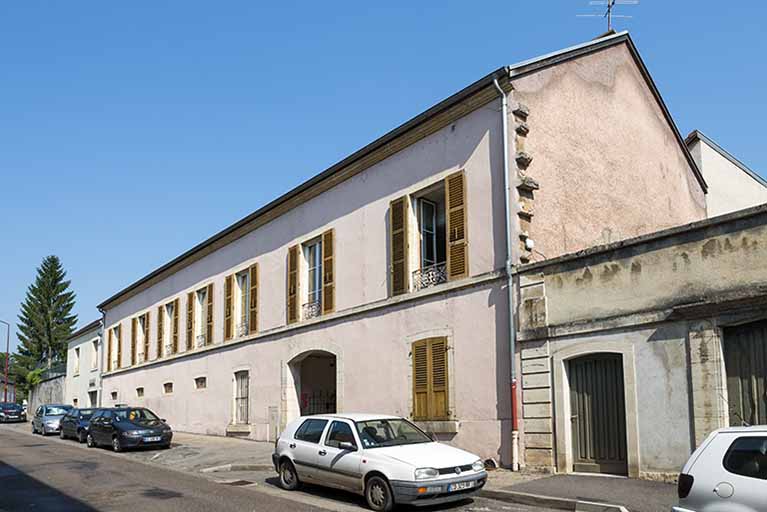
<point>610,5</point>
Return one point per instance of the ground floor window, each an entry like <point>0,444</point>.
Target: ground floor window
<point>241,396</point>
<point>430,379</point>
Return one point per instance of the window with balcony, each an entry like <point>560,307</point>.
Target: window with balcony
<point>430,259</point>
<point>241,304</point>
<point>202,316</point>
<point>114,348</point>
<point>169,331</point>
<point>311,278</point>
<point>313,301</point>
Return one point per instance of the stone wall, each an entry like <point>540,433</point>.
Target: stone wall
<point>50,391</point>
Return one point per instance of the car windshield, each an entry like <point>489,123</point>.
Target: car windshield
<point>138,415</point>
<point>393,432</point>
<point>7,405</point>
<point>56,410</point>
<point>86,413</point>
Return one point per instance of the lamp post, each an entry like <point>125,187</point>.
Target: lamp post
<point>7,356</point>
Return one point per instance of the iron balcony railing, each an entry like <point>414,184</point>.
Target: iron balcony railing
<point>242,329</point>
<point>168,349</point>
<point>430,276</point>
<point>201,340</point>
<point>140,357</point>
<point>312,309</point>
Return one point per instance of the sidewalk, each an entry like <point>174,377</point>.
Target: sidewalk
<point>635,495</point>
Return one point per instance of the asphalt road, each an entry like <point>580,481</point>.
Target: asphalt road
<point>45,474</point>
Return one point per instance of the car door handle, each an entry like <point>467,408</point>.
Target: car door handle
<point>292,445</point>
<point>323,452</point>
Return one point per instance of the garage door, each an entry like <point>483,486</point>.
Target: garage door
<point>745,360</point>
<point>598,414</point>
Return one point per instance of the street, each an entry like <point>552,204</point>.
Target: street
<point>44,473</point>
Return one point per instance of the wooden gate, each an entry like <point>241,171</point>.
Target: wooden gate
<point>745,361</point>
<point>598,414</point>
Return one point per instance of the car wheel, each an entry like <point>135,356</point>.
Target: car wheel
<point>90,441</point>
<point>81,436</point>
<point>378,494</point>
<point>62,435</point>
<point>288,476</point>
<point>116,446</point>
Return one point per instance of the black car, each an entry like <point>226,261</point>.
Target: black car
<point>128,427</point>
<point>11,412</point>
<point>75,424</point>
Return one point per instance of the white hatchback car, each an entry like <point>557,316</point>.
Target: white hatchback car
<point>728,472</point>
<point>386,459</point>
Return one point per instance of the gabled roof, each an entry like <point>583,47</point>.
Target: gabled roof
<point>697,135</point>
<point>82,330</point>
<point>507,73</point>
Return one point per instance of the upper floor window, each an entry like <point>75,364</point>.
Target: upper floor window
<point>167,329</point>
<point>114,348</point>
<point>311,278</point>
<point>77,361</point>
<point>140,338</point>
<point>240,303</point>
<point>200,317</point>
<point>94,354</point>
<point>427,236</point>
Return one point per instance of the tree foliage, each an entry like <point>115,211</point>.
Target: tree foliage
<point>45,323</point>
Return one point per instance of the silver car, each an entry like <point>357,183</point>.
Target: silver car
<point>728,471</point>
<point>47,418</point>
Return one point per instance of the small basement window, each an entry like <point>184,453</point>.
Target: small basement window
<point>200,383</point>
<point>140,392</point>
<point>167,388</point>
<point>114,395</point>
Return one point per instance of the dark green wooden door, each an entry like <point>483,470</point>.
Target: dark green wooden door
<point>745,361</point>
<point>598,414</point>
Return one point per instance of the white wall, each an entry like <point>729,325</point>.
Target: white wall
<point>78,384</point>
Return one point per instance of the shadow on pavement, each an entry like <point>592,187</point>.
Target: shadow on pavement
<point>22,492</point>
<point>350,498</point>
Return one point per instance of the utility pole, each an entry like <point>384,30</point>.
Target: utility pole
<point>7,357</point>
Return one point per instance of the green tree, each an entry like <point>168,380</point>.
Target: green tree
<point>45,322</point>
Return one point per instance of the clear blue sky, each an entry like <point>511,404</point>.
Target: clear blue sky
<point>130,131</point>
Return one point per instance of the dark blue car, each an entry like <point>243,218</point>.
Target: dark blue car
<point>76,423</point>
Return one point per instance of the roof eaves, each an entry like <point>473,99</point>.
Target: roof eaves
<point>84,329</point>
<point>697,135</point>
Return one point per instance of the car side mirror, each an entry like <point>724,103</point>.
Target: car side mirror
<point>163,420</point>
<point>347,447</point>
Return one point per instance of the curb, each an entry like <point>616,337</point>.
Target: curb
<point>238,467</point>
<point>537,500</point>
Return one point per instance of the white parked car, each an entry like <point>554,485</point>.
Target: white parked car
<point>728,472</point>
<point>386,459</point>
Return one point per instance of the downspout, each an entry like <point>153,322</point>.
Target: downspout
<point>102,335</point>
<point>509,279</point>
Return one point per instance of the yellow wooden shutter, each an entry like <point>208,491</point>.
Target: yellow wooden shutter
<point>160,329</point>
<point>109,351</point>
<point>228,317</point>
<point>133,323</point>
<point>209,326</point>
<point>146,336</point>
<point>175,325</point>
<point>292,292</point>
<point>398,221</point>
<point>253,299</point>
<point>189,320</point>
<point>438,403</point>
<point>457,250</point>
<point>119,346</point>
<point>328,271</point>
<point>420,353</point>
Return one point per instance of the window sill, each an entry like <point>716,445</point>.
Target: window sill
<point>238,429</point>
<point>439,427</point>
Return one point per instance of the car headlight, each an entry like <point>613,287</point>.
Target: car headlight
<point>426,473</point>
<point>478,466</point>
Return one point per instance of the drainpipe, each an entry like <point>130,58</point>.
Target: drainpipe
<point>509,280</point>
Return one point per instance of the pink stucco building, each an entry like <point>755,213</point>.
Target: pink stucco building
<point>381,284</point>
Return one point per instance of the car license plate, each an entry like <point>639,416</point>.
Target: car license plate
<point>153,439</point>
<point>460,486</point>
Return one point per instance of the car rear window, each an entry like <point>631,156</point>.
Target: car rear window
<point>747,456</point>
<point>311,431</point>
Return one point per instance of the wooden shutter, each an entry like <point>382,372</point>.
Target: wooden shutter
<point>228,320</point>
<point>133,323</point>
<point>146,336</point>
<point>175,326</point>
<point>457,250</point>
<point>253,299</point>
<point>398,266</point>
<point>430,379</point>
<point>328,271</point>
<point>160,329</point>
<point>292,295</point>
<point>421,380</point>
<point>119,346</point>
<point>189,320</point>
<point>109,351</point>
<point>209,326</point>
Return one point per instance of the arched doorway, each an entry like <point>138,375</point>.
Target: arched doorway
<point>598,414</point>
<point>315,376</point>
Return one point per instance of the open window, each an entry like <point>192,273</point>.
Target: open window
<point>167,329</point>
<point>430,257</point>
<point>311,278</point>
<point>202,316</point>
